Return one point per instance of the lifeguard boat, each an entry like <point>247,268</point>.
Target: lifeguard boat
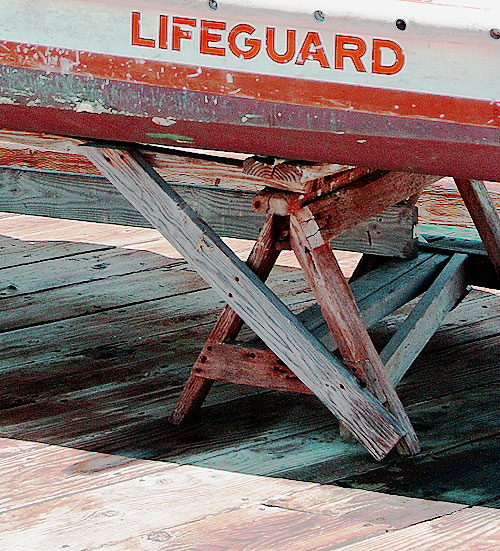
<point>397,84</point>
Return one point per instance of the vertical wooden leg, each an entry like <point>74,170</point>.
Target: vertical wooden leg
<point>344,320</point>
<point>484,214</point>
<point>261,260</point>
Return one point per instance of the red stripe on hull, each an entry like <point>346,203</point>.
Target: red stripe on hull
<point>462,160</point>
<point>260,87</point>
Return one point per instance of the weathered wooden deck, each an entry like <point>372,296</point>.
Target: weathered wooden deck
<point>99,327</point>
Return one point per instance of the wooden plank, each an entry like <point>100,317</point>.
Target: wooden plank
<point>261,527</point>
<point>246,366</point>
<point>79,268</point>
<point>388,512</point>
<point>392,233</point>
<point>484,215</point>
<point>15,252</point>
<point>6,215</point>
<point>260,309</point>
<point>481,271</point>
<point>32,472</point>
<point>473,529</point>
<point>366,264</point>
<point>317,454</point>
<point>381,292</point>
<point>39,228</point>
<point>367,197</point>
<point>104,515</point>
<point>261,261</point>
<point>344,320</point>
<point>444,475</point>
<point>94,295</point>
<point>195,168</point>
<point>91,198</point>
<point>141,320</point>
<point>443,295</point>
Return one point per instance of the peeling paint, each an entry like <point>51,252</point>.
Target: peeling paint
<point>164,121</point>
<point>250,116</point>
<point>91,107</point>
<point>173,137</point>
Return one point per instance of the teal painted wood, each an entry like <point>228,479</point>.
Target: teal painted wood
<point>449,288</point>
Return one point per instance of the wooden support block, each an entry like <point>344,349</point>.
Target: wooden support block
<point>449,288</point>
<point>367,197</point>
<point>301,177</point>
<point>263,312</point>
<point>342,316</point>
<point>484,215</point>
<point>287,202</point>
<point>261,261</point>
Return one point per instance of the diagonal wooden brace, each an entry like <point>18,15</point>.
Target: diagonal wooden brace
<point>363,414</point>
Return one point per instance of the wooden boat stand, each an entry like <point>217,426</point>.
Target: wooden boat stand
<point>359,389</point>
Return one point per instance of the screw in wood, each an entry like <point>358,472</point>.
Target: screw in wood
<point>401,24</point>
<point>319,15</point>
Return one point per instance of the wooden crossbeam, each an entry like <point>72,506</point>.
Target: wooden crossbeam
<point>360,200</point>
<point>245,365</point>
<point>449,288</point>
<point>263,312</point>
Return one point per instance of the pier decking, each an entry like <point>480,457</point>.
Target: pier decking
<point>100,325</point>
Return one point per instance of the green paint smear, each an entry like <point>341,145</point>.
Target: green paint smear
<point>174,137</point>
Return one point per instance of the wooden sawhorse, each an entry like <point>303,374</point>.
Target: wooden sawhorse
<point>306,223</point>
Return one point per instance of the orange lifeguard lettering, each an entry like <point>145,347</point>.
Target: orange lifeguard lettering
<point>290,45</point>
<point>377,66</point>
<point>252,44</point>
<point>352,47</point>
<point>162,33</point>
<point>137,40</point>
<point>178,33</point>
<point>207,37</point>
<point>312,39</point>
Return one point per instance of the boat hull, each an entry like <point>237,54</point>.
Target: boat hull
<point>348,118</point>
